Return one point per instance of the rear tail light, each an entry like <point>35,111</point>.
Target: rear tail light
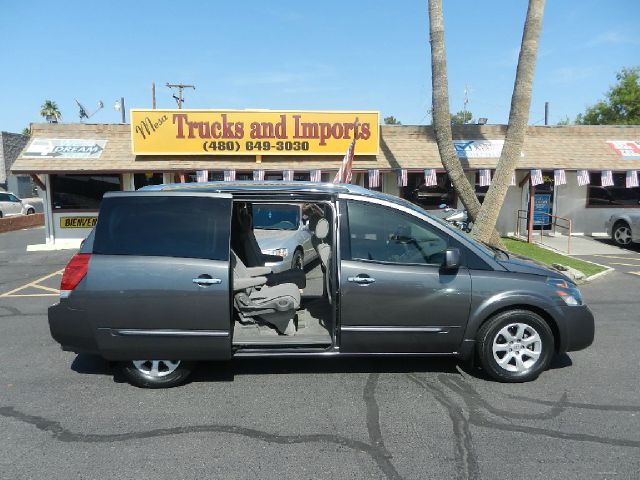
<point>74,272</point>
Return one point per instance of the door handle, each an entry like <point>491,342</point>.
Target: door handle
<point>362,280</point>
<point>205,281</point>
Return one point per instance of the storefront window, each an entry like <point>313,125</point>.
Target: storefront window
<point>81,192</point>
<point>615,196</point>
<point>432,197</point>
<point>144,179</point>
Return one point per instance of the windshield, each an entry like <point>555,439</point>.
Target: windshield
<point>276,217</point>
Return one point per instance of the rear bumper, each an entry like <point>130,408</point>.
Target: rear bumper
<point>70,328</point>
<point>578,324</point>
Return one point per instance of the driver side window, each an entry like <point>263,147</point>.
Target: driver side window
<point>378,233</point>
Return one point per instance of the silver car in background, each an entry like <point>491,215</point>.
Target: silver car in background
<point>281,229</point>
<point>624,228</point>
<point>10,206</point>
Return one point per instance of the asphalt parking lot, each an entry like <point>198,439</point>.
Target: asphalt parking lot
<point>65,416</point>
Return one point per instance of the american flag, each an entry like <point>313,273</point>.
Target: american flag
<point>606,178</point>
<point>287,175</point>
<point>430,178</point>
<point>536,177</point>
<point>512,183</point>
<point>485,177</point>
<point>374,178</point>
<point>583,177</point>
<point>258,175</point>
<point>559,177</point>
<point>632,178</point>
<point>345,173</point>
<point>202,176</point>
<point>229,175</point>
<point>315,175</point>
<point>403,178</point>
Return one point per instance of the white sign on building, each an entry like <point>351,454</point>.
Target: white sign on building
<point>478,148</point>
<point>64,148</point>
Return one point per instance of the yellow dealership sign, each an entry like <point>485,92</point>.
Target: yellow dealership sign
<point>252,132</point>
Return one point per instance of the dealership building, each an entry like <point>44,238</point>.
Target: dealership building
<point>584,173</point>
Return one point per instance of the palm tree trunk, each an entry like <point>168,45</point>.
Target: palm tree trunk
<point>485,223</point>
<point>441,115</point>
<point>442,118</point>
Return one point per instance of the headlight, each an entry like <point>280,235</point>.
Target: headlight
<point>280,252</point>
<point>567,291</point>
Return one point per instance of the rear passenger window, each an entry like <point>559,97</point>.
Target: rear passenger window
<point>172,226</point>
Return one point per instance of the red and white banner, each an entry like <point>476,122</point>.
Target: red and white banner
<point>430,177</point>
<point>374,178</point>
<point>536,177</point>
<point>583,177</point>
<point>625,148</point>
<point>202,176</point>
<point>606,178</point>
<point>315,175</point>
<point>403,178</point>
<point>485,177</point>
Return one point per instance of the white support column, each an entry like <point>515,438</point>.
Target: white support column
<point>47,206</point>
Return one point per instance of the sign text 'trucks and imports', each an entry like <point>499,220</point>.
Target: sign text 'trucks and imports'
<point>252,132</point>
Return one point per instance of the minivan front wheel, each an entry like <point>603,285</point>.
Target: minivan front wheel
<point>515,346</point>
<point>156,373</point>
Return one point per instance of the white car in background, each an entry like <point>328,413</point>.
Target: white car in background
<point>10,206</point>
<point>624,228</point>
<point>282,230</point>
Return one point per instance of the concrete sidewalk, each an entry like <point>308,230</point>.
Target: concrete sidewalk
<point>581,245</point>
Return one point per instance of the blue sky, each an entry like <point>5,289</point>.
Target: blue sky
<point>369,55</point>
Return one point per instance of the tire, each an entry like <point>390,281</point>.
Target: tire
<point>156,373</point>
<point>31,211</point>
<point>522,361</point>
<point>297,262</point>
<point>621,234</point>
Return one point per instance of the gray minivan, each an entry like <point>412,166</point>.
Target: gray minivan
<point>173,274</point>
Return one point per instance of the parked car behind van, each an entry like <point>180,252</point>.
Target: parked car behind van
<point>161,284</point>
<point>10,206</point>
<point>624,228</point>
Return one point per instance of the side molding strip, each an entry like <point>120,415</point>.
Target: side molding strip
<point>169,333</point>
<point>376,329</point>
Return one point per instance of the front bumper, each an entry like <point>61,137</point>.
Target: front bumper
<point>578,325</point>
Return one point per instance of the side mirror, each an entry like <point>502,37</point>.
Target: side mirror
<point>452,259</point>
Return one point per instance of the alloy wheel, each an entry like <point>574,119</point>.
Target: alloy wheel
<point>517,347</point>
<point>156,368</point>
<point>622,235</point>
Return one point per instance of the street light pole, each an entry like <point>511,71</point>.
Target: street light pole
<point>124,118</point>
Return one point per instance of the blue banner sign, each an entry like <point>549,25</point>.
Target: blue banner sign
<point>541,205</point>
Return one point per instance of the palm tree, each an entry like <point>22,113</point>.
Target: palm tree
<point>486,220</point>
<point>441,115</point>
<point>50,112</point>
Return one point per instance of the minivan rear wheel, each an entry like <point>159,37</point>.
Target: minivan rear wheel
<point>156,373</point>
<point>515,346</point>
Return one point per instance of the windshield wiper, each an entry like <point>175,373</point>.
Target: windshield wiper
<point>498,250</point>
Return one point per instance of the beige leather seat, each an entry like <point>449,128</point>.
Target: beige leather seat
<point>256,303</point>
<point>323,248</point>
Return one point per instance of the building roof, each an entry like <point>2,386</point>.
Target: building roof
<point>401,146</point>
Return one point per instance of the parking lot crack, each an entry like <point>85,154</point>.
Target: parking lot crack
<point>466,461</point>
<point>479,418</point>
<point>58,432</point>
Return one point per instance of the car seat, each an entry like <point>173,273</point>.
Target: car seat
<point>321,233</point>
<point>255,302</point>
